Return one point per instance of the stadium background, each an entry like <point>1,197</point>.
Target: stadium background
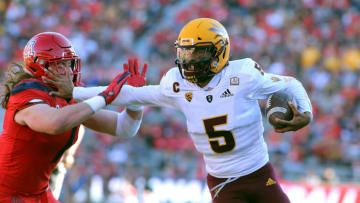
<point>317,41</point>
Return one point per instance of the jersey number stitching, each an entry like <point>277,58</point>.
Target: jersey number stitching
<point>214,135</point>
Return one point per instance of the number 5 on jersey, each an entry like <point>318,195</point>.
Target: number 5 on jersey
<point>215,135</point>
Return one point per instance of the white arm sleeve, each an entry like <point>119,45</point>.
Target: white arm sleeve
<point>146,95</point>
<point>82,93</point>
<point>126,126</point>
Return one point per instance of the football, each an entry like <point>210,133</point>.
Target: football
<point>277,107</point>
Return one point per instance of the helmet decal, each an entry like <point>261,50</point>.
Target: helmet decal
<point>218,29</point>
<point>29,49</point>
<point>187,41</point>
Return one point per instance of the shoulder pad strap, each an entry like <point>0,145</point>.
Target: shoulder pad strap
<point>28,85</point>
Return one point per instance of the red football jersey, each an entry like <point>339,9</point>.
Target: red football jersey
<point>27,158</point>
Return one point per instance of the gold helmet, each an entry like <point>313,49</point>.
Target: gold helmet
<point>203,49</point>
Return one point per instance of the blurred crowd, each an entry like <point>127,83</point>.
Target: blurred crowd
<point>317,41</point>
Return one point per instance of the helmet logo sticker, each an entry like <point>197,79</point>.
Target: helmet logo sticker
<point>188,96</point>
<point>218,29</point>
<point>29,49</point>
<point>187,41</point>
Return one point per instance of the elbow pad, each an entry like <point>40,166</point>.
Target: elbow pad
<point>126,126</point>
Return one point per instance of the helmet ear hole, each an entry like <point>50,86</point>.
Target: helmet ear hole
<point>199,38</point>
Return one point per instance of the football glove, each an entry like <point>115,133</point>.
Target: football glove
<point>136,79</point>
<point>114,87</point>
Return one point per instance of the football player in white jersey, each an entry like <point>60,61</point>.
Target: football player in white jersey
<point>220,101</point>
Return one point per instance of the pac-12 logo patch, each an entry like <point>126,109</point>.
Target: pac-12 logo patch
<point>209,98</point>
<point>188,96</point>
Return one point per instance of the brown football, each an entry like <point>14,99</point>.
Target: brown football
<point>277,107</point>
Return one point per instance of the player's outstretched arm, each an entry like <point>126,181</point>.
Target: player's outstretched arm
<point>151,95</point>
<point>127,123</point>
<point>124,124</point>
<point>114,123</point>
<point>66,89</point>
<point>46,119</point>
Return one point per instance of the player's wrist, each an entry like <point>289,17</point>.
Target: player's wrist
<point>69,94</point>
<point>307,117</point>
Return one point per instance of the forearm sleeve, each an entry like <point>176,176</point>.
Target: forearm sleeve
<point>146,95</point>
<point>82,93</point>
<point>150,95</point>
<point>126,126</point>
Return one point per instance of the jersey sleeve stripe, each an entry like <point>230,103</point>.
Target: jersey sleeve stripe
<point>30,85</point>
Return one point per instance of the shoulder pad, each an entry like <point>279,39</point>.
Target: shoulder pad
<point>245,66</point>
<point>30,84</point>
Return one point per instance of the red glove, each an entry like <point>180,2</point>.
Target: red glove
<point>115,86</point>
<point>135,80</point>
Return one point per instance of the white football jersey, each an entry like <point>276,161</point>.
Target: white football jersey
<point>224,118</point>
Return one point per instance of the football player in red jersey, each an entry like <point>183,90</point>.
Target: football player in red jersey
<point>39,127</point>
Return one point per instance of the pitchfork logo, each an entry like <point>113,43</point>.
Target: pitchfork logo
<point>188,96</point>
<point>218,29</point>
<point>29,49</point>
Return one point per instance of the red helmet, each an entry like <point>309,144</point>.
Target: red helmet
<point>50,47</point>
